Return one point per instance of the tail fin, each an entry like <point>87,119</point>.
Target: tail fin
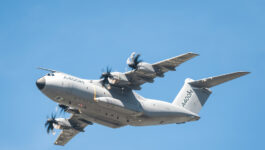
<point>194,94</point>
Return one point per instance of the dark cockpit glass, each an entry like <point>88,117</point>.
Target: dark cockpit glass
<point>50,74</point>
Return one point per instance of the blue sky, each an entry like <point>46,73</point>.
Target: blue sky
<point>83,37</point>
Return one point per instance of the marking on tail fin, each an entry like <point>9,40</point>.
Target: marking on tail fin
<point>187,97</point>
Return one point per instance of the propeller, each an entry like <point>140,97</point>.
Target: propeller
<point>105,76</point>
<point>134,60</point>
<point>49,123</point>
<point>63,108</point>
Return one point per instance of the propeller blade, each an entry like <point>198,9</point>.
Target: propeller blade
<point>134,60</point>
<point>63,108</point>
<point>105,76</point>
<point>49,123</point>
<point>108,70</point>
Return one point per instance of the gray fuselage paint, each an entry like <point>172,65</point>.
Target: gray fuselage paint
<point>113,107</point>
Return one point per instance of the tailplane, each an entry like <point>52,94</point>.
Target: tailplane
<point>194,94</point>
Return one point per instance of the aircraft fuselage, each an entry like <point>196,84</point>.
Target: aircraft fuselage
<point>114,107</point>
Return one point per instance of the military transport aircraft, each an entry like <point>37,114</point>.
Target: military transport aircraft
<point>111,101</point>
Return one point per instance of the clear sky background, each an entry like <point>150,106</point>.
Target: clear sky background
<point>83,37</point>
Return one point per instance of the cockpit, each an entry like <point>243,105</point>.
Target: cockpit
<point>50,74</point>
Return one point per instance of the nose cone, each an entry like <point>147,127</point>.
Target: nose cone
<point>40,83</point>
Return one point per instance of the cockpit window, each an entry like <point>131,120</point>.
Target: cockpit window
<point>50,74</point>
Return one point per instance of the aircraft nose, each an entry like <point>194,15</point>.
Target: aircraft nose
<point>40,83</point>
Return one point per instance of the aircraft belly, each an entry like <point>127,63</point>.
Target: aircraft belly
<point>104,116</point>
<point>107,111</point>
<point>157,112</point>
<point>160,120</point>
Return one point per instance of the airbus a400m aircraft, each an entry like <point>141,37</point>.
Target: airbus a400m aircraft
<point>111,101</point>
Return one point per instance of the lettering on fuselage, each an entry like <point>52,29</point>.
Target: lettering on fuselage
<point>187,97</point>
<point>74,79</point>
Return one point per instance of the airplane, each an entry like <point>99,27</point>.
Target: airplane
<point>112,101</point>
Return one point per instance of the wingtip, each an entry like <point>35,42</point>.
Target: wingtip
<point>244,72</point>
<point>241,73</point>
<point>57,143</point>
<point>195,54</point>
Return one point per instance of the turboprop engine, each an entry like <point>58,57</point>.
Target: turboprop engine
<point>135,63</point>
<point>146,68</point>
<point>60,123</point>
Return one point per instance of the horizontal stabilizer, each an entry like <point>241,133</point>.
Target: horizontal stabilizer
<point>213,81</point>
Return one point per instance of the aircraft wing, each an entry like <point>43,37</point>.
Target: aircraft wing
<point>138,77</point>
<point>67,134</point>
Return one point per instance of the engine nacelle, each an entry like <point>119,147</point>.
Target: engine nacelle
<point>63,123</point>
<point>118,78</point>
<point>146,68</point>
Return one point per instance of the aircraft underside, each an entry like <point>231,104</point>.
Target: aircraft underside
<point>115,117</point>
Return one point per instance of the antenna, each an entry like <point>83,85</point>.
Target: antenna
<point>47,69</point>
